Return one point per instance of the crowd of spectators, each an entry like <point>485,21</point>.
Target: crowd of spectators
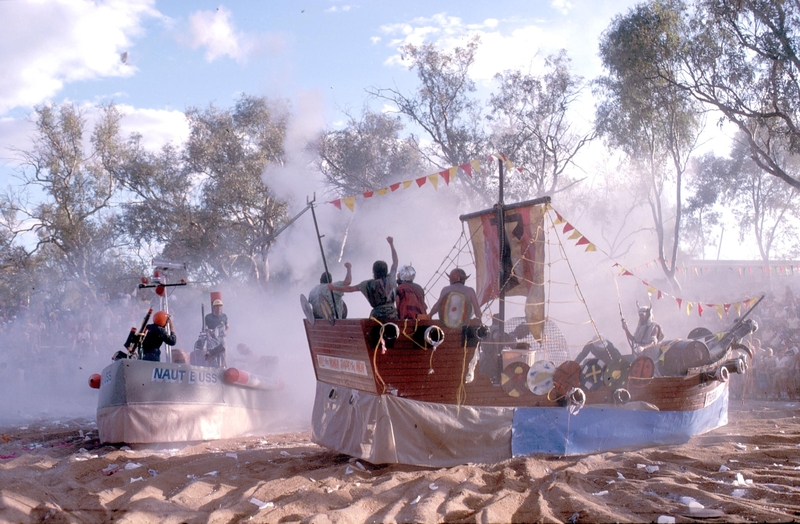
<point>774,372</point>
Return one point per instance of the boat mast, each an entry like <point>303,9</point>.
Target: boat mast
<point>501,229</point>
<point>322,251</point>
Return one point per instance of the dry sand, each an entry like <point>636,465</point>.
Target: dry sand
<point>748,471</point>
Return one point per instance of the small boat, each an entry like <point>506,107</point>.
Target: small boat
<point>146,402</point>
<point>439,393</point>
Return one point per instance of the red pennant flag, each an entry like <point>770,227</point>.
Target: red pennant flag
<point>467,168</point>
<point>446,175</point>
<point>659,295</point>
<point>727,307</point>
<point>627,273</point>
<point>568,227</point>
<point>560,219</point>
<point>679,301</point>
<point>421,181</point>
<point>582,241</point>
<point>337,203</point>
<point>699,309</point>
<point>369,194</point>
<point>395,187</point>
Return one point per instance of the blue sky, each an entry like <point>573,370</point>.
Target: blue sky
<point>183,54</point>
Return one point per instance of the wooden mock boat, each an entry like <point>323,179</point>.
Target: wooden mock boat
<point>427,392</point>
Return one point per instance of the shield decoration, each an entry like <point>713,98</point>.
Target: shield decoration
<point>615,375</point>
<point>592,373</point>
<point>540,377</point>
<point>514,379</point>
<point>455,310</point>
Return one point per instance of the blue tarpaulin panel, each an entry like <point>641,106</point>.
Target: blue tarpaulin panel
<point>555,431</point>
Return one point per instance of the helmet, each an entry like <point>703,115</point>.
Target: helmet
<point>160,318</point>
<point>406,273</point>
<point>217,302</point>
<point>458,275</point>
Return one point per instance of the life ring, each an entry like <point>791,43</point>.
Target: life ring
<point>622,396</point>
<point>514,379</point>
<point>540,377</point>
<point>592,375</point>
<point>615,375</point>
<point>722,374</point>
<point>641,371</point>
<point>434,336</point>
<point>566,377</point>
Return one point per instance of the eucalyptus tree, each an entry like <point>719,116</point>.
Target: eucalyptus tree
<point>443,107</point>
<point>653,122</point>
<point>368,154</point>
<point>742,57</point>
<point>62,212</point>
<point>530,124</point>
<point>227,153</point>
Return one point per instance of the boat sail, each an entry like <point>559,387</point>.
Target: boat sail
<point>433,393</point>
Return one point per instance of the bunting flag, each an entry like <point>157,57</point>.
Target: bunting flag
<point>448,175</point>
<point>689,307</point>
<point>568,227</point>
<point>590,247</point>
<point>720,309</point>
<point>575,234</point>
<point>699,309</point>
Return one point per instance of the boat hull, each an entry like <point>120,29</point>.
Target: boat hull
<point>148,402</point>
<point>410,404</point>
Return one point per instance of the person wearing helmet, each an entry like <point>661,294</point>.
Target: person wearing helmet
<point>647,335</point>
<point>380,290</point>
<point>158,334</point>
<point>601,349</point>
<point>460,300</point>
<point>410,296</point>
<point>217,318</point>
<point>329,304</point>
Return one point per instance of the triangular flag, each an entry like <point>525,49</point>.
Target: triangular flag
<point>559,219</point>
<point>659,295</point>
<point>382,191</point>
<point>720,310</point>
<point>568,227</point>
<point>590,247</point>
<point>476,166</point>
<point>337,203</point>
<point>738,307</point>
<point>752,302</point>
<point>350,202</point>
<point>368,194</point>
<point>699,309</point>
<point>689,307</point>
<point>582,241</point>
<point>407,183</point>
<point>626,273</point>
<point>726,307</point>
<point>434,180</point>
<point>467,168</point>
<point>395,187</point>
<point>651,290</point>
<point>679,301</point>
<point>452,171</point>
<point>446,175</point>
<point>575,234</point>
<point>421,181</point>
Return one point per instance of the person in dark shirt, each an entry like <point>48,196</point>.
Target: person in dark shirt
<point>217,318</point>
<point>157,334</point>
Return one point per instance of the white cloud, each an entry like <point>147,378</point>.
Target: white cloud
<point>214,31</point>
<point>49,44</point>
<point>158,127</point>
<point>562,6</point>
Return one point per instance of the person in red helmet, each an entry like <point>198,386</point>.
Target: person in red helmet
<point>457,302</point>
<point>157,334</point>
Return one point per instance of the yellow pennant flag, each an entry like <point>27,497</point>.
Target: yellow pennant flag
<point>407,183</point>
<point>720,309</point>
<point>590,247</point>
<point>476,165</point>
<point>434,180</point>
<point>575,234</point>
<point>350,202</point>
<point>453,171</point>
<point>752,302</point>
<point>651,290</point>
<point>738,307</point>
<point>689,307</point>
<point>382,191</point>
